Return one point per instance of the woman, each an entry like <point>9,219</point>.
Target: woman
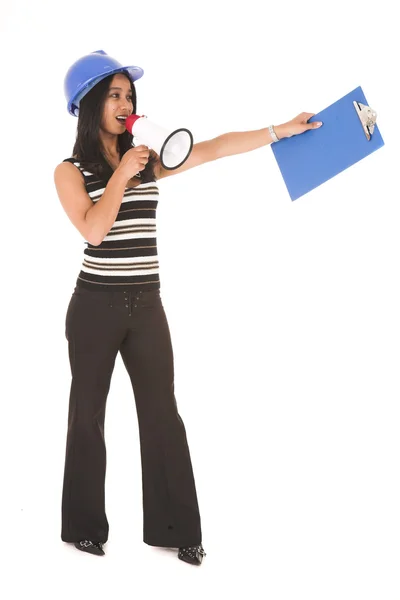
<point>108,190</point>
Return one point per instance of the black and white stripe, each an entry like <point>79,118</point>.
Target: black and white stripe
<point>127,257</point>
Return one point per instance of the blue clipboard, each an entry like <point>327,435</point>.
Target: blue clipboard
<point>311,158</point>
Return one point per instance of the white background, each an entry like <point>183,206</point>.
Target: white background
<point>284,315</point>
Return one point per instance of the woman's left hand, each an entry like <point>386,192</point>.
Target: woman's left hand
<point>296,126</point>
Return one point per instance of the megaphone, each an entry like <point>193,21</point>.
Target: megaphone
<point>173,147</point>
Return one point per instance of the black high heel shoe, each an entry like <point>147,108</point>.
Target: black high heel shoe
<point>192,554</point>
<point>89,546</point>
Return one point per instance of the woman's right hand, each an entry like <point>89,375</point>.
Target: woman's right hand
<point>133,161</point>
<point>296,126</point>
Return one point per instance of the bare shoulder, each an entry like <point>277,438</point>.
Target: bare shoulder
<point>67,169</point>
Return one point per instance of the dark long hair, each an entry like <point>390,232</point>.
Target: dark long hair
<point>88,149</point>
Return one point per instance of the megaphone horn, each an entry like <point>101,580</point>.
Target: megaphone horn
<point>173,147</point>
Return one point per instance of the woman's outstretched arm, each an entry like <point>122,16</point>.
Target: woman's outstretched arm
<point>228,144</point>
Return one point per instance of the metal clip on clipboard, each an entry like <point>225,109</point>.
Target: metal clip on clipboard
<point>367,118</point>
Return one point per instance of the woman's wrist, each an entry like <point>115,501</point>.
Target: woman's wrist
<point>120,174</point>
<point>280,131</point>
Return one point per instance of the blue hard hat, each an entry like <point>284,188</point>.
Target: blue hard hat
<point>83,75</point>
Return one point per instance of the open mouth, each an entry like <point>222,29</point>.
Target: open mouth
<point>121,120</point>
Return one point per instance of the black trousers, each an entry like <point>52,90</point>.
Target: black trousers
<point>98,325</point>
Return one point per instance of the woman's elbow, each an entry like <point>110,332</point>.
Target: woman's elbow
<point>95,241</point>
<point>94,237</point>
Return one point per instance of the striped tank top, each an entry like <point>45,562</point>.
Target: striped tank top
<point>127,257</point>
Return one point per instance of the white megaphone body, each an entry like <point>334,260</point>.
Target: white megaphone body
<point>173,147</point>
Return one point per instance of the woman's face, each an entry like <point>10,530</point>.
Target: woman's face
<point>118,103</point>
